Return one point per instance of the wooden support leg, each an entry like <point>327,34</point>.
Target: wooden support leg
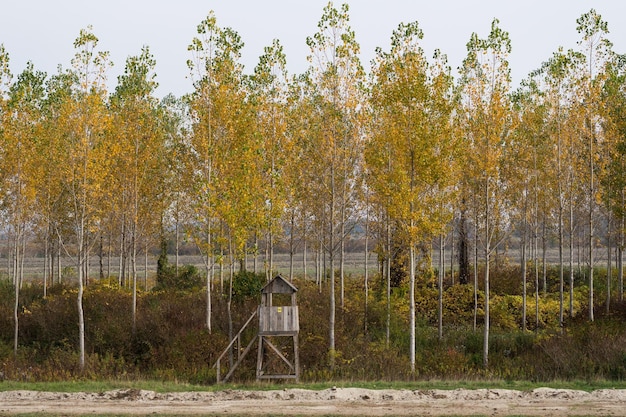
<point>296,356</point>
<point>259,359</point>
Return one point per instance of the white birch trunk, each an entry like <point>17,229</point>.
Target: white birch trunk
<point>412,307</point>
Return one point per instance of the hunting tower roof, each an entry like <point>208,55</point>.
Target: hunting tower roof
<point>279,285</point>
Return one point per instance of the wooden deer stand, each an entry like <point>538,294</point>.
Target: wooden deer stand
<point>278,321</point>
<point>274,322</point>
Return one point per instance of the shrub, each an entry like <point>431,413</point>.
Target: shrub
<point>247,284</point>
<point>187,278</point>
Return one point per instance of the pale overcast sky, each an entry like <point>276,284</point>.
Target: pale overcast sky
<point>43,31</point>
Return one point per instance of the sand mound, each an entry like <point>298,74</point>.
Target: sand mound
<point>338,401</point>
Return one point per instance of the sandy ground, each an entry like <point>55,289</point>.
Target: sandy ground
<point>334,401</point>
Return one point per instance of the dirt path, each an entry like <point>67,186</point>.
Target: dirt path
<point>339,401</point>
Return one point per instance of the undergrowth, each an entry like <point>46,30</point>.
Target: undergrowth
<point>170,342</point>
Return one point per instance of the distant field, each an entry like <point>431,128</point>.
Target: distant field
<point>33,267</point>
<point>354,263</point>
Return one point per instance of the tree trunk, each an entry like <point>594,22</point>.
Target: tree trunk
<point>463,247</point>
<point>524,277</point>
<point>304,258</point>
<point>366,272</point>
<point>388,273</point>
<point>591,231</point>
<point>209,283</point>
<point>176,240</point>
<point>609,266</point>
<point>222,270</point>
<point>561,236</point>
<point>59,265</point>
<point>17,284</point>
<point>440,287</point>
<point>133,261</point>
<point>100,258</point>
<point>486,329</point>
<point>331,258</point>
<point>620,261</point>
<point>255,266</point>
<point>9,258</point>
<point>342,261</point>
<point>291,262</point>
<point>109,248</point>
<point>46,251</point>
<point>561,266</point>
<point>120,277</point>
<point>487,256</point>
<point>79,301</point>
<point>52,257</point>
<point>87,260</point>
<point>544,252</point>
<point>476,270</point>
<point>291,245</point>
<point>536,266</point>
<point>230,317</point>
<point>571,257</point>
<point>318,270</point>
<point>536,242</point>
<point>412,307</point>
<point>452,244</point>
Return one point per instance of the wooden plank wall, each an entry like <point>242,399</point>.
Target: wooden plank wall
<point>278,320</point>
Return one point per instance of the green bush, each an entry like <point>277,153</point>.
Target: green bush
<point>247,284</point>
<point>187,278</point>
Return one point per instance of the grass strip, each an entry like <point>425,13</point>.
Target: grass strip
<point>165,386</point>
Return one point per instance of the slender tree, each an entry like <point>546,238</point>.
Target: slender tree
<point>212,53</point>
<point>412,125</point>
<point>593,30</point>
<point>85,165</point>
<point>485,83</point>
<point>338,76</point>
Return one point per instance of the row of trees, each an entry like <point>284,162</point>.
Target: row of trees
<point>406,154</point>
